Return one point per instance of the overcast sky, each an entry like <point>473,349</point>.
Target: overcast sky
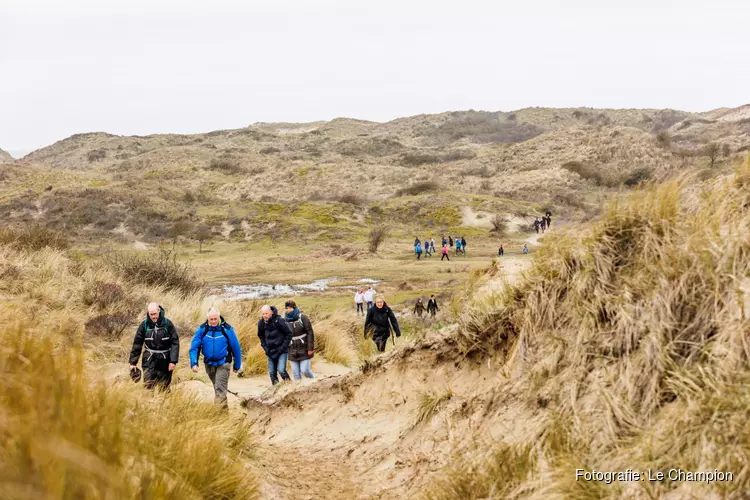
<point>153,66</point>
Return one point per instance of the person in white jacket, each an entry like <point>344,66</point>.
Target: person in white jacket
<point>359,299</point>
<point>369,297</point>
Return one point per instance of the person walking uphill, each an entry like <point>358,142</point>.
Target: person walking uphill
<point>158,337</point>
<point>380,319</point>
<point>217,341</point>
<point>432,306</point>
<point>419,307</point>
<point>275,336</point>
<point>302,348</point>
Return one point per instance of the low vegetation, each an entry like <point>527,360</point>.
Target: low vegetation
<point>624,333</point>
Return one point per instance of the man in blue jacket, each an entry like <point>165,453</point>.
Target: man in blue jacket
<point>219,344</point>
<point>275,336</point>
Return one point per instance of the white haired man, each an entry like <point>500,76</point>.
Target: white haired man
<point>275,335</point>
<point>217,341</point>
<point>158,337</point>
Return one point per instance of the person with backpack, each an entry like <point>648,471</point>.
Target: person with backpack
<point>221,351</point>
<point>445,254</point>
<point>458,246</point>
<point>359,299</point>
<point>419,307</point>
<point>379,322</point>
<point>501,250</point>
<point>302,347</point>
<point>157,336</point>
<point>275,336</point>
<point>418,249</point>
<point>432,306</point>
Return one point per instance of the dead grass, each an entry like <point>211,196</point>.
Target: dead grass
<point>430,403</point>
<point>630,335</point>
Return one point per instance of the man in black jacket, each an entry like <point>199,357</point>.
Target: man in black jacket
<point>158,336</point>
<point>432,306</point>
<point>275,336</point>
<point>380,320</point>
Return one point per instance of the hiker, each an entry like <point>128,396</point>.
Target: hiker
<point>432,244</point>
<point>445,254</point>
<point>525,249</point>
<point>536,225</point>
<point>445,242</point>
<point>359,299</point>
<point>500,251</point>
<point>158,337</point>
<point>432,306</point>
<point>380,319</point>
<point>427,248</point>
<point>548,217</point>
<point>275,336</point>
<point>419,307</point>
<point>450,241</point>
<point>543,224</point>
<point>369,294</point>
<point>458,246</point>
<point>463,245</point>
<point>416,242</point>
<point>418,249</point>
<point>221,350</point>
<point>302,348</point>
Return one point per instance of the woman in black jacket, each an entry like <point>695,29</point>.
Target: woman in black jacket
<point>302,346</point>
<point>380,320</point>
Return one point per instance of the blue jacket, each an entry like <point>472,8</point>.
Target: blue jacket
<point>218,343</point>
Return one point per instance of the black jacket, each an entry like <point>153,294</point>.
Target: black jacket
<point>432,304</point>
<point>380,321</point>
<point>299,346</point>
<point>159,336</point>
<point>275,335</point>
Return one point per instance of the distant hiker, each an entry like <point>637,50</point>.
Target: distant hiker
<point>445,242</point>
<point>543,224</point>
<point>432,306</point>
<point>217,341</point>
<point>302,348</point>
<point>418,249</point>
<point>463,245</point>
<point>416,242</point>
<point>158,337</point>
<point>427,248</point>
<point>458,246</point>
<point>525,249</point>
<point>445,253</point>
<point>419,307</point>
<point>548,214</point>
<point>536,225</point>
<point>379,322</point>
<point>500,251</point>
<point>549,220</point>
<point>359,299</point>
<point>369,295</point>
<point>432,244</point>
<point>275,336</point>
<point>450,241</point>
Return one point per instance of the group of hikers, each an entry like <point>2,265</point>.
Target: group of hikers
<point>288,337</point>
<point>429,247</point>
<point>543,222</point>
<point>432,307</point>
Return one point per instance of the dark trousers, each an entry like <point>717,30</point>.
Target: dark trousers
<point>156,373</point>
<point>360,307</point>
<point>445,256</point>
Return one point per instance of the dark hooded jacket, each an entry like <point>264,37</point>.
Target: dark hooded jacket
<point>275,335</point>
<point>160,340</point>
<point>379,321</point>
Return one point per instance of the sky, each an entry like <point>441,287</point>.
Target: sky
<point>138,67</point>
